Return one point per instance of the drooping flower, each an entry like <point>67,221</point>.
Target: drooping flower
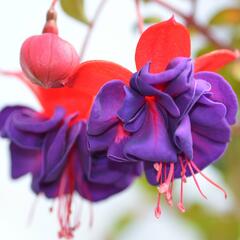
<point>174,116</point>
<point>52,146</point>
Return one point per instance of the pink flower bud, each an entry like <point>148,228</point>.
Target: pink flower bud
<point>48,60</point>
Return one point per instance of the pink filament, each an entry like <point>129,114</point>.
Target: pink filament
<point>158,207</point>
<point>165,186</point>
<point>168,194</point>
<point>183,180</point>
<point>158,168</point>
<point>180,204</point>
<point>195,180</point>
<point>65,203</point>
<point>166,182</point>
<point>208,179</point>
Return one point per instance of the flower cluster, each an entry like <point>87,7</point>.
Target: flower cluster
<point>170,119</point>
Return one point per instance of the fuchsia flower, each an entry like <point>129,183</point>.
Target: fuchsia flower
<point>174,116</point>
<point>52,146</point>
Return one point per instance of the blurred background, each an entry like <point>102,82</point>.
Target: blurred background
<point>129,215</point>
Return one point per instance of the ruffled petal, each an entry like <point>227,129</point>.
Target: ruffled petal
<point>116,150</point>
<point>152,142</point>
<point>56,150</point>
<point>105,107</point>
<point>208,119</point>
<point>4,115</point>
<point>102,142</point>
<point>23,161</point>
<point>221,92</point>
<point>183,137</point>
<point>50,190</point>
<point>31,121</point>
<point>186,101</point>
<point>132,103</point>
<point>210,133</point>
<point>105,171</point>
<point>150,173</point>
<point>27,128</point>
<point>137,121</point>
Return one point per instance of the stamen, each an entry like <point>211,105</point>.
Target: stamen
<point>165,186</point>
<point>158,168</point>
<point>158,210</point>
<point>165,172</point>
<point>65,202</point>
<point>168,194</point>
<point>208,179</point>
<point>183,167</point>
<point>183,180</point>
<point>195,180</point>
<point>180,204</point>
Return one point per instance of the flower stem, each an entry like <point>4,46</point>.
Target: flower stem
<point>53,3</point>
<point>194,7</point>
<point>91,27</point>
<point>191,21</point>
<point>139,16</point>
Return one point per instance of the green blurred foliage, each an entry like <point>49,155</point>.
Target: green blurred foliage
<point>121,224</point>
<point>75,9</point>
<point>151,20</point>
<point>213,225</point>
<point>229,16</point>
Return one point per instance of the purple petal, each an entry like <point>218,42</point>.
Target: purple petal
<point>150,173</point>
<point>152,142</point>
<point>23,161</point>
<point>31,121</point>
<point>56,150</point>
<point>183,137</point>
<point>4,115</point>
<point>105,171</point>
<point>27,128</point>
<point>221,92</point>
<point>132,103</point>
<point>210,133</point>
<point>105,107</point>
<point>208,119</point>
<point>102,142</point>
<point>186,101</point>
<point>183,81</point>
<point>116,151</point>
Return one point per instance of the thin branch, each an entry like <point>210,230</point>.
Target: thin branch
<point>139,16</point>
<point>191,21</point>
<point>194,7</point>
<point>91,27</point>
<point>53,3</point>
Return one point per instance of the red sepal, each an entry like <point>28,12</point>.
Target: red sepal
<point>87,81</point>
<point>215,60</point>
<point>161,43</point>
<point>92,75</point>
